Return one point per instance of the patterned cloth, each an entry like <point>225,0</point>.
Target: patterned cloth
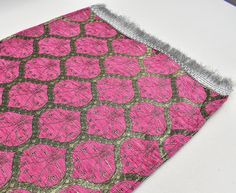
<point>86,109</point>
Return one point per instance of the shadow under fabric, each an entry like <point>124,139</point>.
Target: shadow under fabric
<point>90,103</point>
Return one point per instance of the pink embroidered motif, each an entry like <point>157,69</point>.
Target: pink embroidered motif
<point>9,70</point>
<point>148,119</point>
<point>73,93</point>
<point>91,46</point>
<point>115,90</point>
<point>60,125</point>
<point>94,162</point>
<point>43,165</point>
<point>64,28</point>
<point>122,66</point>
<point>15,129</point>
<point>190,89</point>
<point>140,157</point>
<point>82,67</point>
<point>158,89</point>
<point>106,121</point>
<point>6,162</point>
<point>128,46</point>
<point>161,64</point>
<point>54,46</point>
<point>100,29</point>
<point>42,69</point>
<point>17,48</point>
<point>28,96</point>
<point>186,117</point>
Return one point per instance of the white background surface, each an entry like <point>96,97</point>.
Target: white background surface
<point>205,30</point>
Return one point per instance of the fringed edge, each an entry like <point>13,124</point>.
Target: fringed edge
<point>207,78</point>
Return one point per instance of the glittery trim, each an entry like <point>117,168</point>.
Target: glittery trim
<point>200,73</point>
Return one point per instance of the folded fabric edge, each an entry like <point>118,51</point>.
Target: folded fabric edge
<point>207,78</point>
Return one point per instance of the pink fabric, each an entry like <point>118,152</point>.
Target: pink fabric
<point>91,46</point>
<point>1,93</point>
<point>140,157</point>
<point>122,90</point>
<point>106,121</point>
<point>28,96</point>
<point>174,143</point>
<point>79,16</point>
<point>162,91</point>
<point>16,129</point>
<point>187,117</point>
<point>42,69</point>
<point>100,29</point>
<point>63,28</point>
<point>54,46</point>
<point>82,67</point>
<point>121,65</point>
<point>161,64</point>
<point>60,125</point>
<point>42,165</point>
<point>6,162</point>
<point>187,87</point>
<point>84,108</point>
<point>36,31</point>
<point>73,93</point>
<point>91,161</point>
<point>15,47</point>
<point>148,119</point>
<point>213,106</point>
<point>129,47</point>
<point>9,70</point>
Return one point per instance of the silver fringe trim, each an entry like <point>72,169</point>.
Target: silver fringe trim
<point>207,78</point>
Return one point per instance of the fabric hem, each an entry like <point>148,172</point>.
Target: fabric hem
<point>207,78</point>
